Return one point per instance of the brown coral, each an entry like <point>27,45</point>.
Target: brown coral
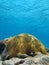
<point>24,44</point>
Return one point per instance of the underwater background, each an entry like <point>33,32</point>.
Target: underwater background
<point>25,16</point>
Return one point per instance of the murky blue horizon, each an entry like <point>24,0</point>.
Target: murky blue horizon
<point>25,16</point>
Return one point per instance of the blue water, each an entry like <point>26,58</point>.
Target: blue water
<point>25,16</point>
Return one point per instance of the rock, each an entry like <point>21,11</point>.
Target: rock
<point>40,59</point>
<point>6,55</point>
<point>45,59</point>
<point>47,50</point>
<point>0,62</point>
<point>12,61</point>
<point>22,55</point>
<point>2,46</point>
